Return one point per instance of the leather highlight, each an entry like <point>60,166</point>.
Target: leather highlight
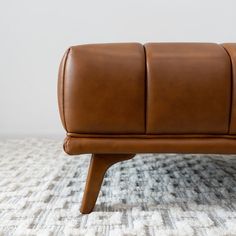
<point>60,88</point>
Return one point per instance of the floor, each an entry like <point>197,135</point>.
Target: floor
<point>153,194</point>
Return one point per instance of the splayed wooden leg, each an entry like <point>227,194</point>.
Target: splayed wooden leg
<point>98,166</point>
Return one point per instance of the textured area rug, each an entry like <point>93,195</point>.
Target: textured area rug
<point>153,194</point>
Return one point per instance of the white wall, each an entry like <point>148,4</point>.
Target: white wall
<point>34,35</point>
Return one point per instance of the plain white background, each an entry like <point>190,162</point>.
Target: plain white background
<point>35,34</point>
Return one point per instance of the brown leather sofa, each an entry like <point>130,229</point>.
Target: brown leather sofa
<point>116,100</point>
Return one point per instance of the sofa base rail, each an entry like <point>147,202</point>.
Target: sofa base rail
<point>204,145</point>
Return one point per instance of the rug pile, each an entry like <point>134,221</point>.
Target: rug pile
<point>153,194</point>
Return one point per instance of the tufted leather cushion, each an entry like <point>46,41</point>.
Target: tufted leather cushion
<point>188,88</point>
<point>104,89</point>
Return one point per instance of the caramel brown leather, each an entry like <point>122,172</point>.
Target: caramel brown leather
<point>60,88</point>
<point>74,146</point>
<point>231,49</point>
<point>160,97</point>
<point>104,87</point>
<point>188,88</point>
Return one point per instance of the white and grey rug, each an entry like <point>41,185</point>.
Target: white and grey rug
<point>153,194</point>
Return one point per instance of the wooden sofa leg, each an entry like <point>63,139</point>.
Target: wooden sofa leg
<point>98,166</point>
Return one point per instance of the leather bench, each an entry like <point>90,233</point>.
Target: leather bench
<point>116,100</point>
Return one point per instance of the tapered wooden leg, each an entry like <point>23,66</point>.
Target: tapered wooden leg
<point>98,166</point>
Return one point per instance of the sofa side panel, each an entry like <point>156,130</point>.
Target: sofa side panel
<point>60,88</point>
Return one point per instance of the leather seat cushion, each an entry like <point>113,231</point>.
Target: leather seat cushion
<point>188,88</point>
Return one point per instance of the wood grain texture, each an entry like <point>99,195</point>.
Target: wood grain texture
<point>98,166</point>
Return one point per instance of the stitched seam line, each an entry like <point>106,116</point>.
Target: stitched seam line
<point>63,87</point>
<point>231,89</point>
<point>145,90</point>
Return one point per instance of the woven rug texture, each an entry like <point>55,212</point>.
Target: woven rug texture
<point>41,189</point>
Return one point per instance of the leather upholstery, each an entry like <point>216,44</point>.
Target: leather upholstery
<point>220,145</point>
<point>60,88</point>
<point>104,88</point>
<point>188,88</point>
<point>160,97</point>
<point>231,49</point>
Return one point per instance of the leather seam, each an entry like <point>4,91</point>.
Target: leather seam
<point>156,138</point>
<point>145,90</point>
<point>76,135</point>
<point>63,87</point>
<point>231,89</point>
